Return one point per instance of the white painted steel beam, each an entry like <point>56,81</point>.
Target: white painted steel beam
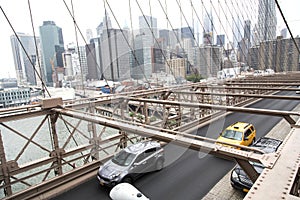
<point>276,183</point>
<point>205,144</point>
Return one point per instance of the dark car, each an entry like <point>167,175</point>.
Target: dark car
<point>239,178</point>
<point>132,162</point>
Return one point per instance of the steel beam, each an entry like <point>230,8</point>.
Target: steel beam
<point>6,117</point>
<point>5,172</point>
<point>278,182</point>
<point>117,98</point>
<point>17,109</point>
<point>265,84</point>
<point>248,169</point>
<point>179,139</point>
<point>279,113</point>
<point>57,151</point>
<point>243,95</point>
<point>259,87</point>
<point>47,189</point>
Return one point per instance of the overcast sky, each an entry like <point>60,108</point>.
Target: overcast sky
<point>90,13</point>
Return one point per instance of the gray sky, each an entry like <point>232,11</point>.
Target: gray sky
<point>90,13</point>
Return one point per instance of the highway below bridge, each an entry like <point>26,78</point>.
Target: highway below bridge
<point>190,174</point>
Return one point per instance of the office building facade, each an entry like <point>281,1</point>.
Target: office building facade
<point>237,31</point>
<point>146,40</point>
<point>220,40</point>
<point>52,45</point>
<point>267,20</point>
<point>177,67</point>
<point>25,67</point>
<point>281,55</point>
<point>115,54</point>
<point>208,60</point>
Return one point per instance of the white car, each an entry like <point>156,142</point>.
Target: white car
<point>298,91</point>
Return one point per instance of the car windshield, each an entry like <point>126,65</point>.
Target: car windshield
<point>123,158</point>
<point>232,134</point>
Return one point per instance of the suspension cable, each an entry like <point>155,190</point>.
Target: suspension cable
<point>153,35</point>
<point>28,57</point>
<point>79,30</point>
<point>173,30</point>
<point>239,20</point>
<point>77,45</point>
<point>126,40</point>
<point>288,27</point>
<point>37,52</point>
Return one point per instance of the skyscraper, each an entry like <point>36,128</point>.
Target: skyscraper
<point>267,20</point>
<point>93,60</point>
<point>89,35</point>
<point>255,37</point>
<point>24,69</point>
<point>147,25</point>
<point>158,57</point>
<point>148,34</point>
<point>220,40</point>
<point>137,58</point>
<point>83,62</point>
<point>108,54</point>
<point>115,54</point>
<point>165,36</point>
<point>208,60</point>
<point>237,31</point>
<point>52,45</point>
<point>284,32</point>
<point>247,30</point>
<point>280,55</point>
<point>208,32</point>
<point>187,32</point>
<point>245,44</point>
<point>104,25</point>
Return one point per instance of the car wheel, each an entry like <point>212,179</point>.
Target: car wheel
<point>127,180</point>
<point>253,141</point>
<point>159,165</point>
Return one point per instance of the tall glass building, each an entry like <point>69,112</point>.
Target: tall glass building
<point>237,30</point>
<point>208,29</point>
<point>148,35</point>
<point>115,54</point>
<point>52,45</point>
<point>24,64</point>
<point>267,20</point>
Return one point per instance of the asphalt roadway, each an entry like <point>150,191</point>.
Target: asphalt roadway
<point>189,174</point>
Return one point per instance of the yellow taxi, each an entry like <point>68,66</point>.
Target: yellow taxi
<point>239,133</point>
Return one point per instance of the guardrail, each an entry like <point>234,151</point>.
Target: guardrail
<point>53,187</point>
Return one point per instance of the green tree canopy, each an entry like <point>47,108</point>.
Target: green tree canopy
<point>194,78</point>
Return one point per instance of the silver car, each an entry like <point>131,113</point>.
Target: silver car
<point>131,162</point>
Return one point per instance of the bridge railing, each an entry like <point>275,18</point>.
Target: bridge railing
<point>50,143</point>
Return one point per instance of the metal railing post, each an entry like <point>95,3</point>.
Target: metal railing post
<point>56,151</point>
<point>5,170</point>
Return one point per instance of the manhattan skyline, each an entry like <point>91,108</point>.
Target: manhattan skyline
<point>91,20</point>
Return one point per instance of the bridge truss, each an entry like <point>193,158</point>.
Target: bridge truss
<point>70,139</point>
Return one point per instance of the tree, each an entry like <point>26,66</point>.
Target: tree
<point>194,78</point>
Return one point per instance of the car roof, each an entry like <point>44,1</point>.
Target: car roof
<point>142,146</point>
<point>239,126</point>
<point>266,144</point>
